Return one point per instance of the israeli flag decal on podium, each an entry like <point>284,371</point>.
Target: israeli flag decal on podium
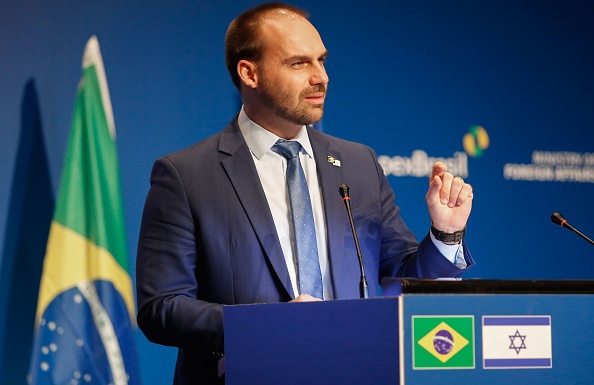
<point>517,342</point>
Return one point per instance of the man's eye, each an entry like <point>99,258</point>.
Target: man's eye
<point>298,64</point>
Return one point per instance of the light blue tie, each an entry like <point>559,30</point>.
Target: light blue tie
<point>310,277</point>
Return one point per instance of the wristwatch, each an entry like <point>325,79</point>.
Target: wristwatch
<point>449,238</point>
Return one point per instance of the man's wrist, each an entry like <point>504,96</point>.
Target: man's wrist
<point>454,238</point>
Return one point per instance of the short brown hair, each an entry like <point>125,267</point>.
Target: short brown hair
<point>242,41</point>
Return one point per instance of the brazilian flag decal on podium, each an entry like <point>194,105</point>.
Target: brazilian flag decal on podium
<point>85,312</point>
<point>443,342</point>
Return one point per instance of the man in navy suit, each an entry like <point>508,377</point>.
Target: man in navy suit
<point>217,225</point>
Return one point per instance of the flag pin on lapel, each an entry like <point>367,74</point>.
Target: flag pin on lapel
<point>332,160</point>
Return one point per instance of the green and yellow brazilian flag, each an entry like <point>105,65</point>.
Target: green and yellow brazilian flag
<point>85,317</point>
<point>443,342</point>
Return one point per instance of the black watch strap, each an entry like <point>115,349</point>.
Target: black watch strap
<point>448,238</point>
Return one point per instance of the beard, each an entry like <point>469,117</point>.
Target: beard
<point>280,102</point>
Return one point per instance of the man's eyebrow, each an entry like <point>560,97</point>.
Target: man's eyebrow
<point>305,57</point>
<point>299,58</point>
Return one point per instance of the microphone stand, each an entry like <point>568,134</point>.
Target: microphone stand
<point>559,220</point>
<point>344,193</point>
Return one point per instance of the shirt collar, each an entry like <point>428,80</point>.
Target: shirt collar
<point>260,140</point>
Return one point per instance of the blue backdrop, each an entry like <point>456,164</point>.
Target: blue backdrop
<point>410,79</point>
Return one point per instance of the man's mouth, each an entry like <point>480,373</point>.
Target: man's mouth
<point>316,97</point>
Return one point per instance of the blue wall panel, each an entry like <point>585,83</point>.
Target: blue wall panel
<point>404,77</point>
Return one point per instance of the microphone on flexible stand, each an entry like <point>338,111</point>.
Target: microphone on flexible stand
<point>559,220</point>
<point>343,190</point>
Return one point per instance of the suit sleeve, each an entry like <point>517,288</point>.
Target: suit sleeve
<point>169,312</point>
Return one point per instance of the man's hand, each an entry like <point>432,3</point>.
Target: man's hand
<point>449,200</point>
<point>305,298</point>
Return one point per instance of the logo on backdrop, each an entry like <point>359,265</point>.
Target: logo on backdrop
<point>476,141</point>
<point>420,164</point>
<point>548,166</point>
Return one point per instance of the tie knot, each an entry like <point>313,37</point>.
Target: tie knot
<point>287,148</point>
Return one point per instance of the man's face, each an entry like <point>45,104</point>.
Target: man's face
<point>292,81</point>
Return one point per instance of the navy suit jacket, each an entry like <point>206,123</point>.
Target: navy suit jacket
<point>208,239</point>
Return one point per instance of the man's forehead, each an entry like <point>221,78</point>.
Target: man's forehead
<point>292,33</point>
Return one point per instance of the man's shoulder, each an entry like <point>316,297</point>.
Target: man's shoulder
<point>207,147</point>
<point>203,146</point>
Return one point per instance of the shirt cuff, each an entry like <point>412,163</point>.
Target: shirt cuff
<point>453,253</point>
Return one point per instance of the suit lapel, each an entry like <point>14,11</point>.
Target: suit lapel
<point>239,166</point>
<point>330,177</point>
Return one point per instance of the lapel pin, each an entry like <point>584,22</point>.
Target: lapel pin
<point>332,160</point>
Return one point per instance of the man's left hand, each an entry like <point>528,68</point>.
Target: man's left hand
<point>449,199</point>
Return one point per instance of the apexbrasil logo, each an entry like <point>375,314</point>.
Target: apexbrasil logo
<point>420,164</point>
<point>445,342</point>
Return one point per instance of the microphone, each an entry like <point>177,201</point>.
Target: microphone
<point>343,190</point>
<point>559,220</point>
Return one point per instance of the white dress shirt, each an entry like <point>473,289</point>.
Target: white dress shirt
<point>272,169</point>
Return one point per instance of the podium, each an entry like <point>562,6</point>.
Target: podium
<point>420,332</point>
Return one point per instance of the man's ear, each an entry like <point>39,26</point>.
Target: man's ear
<point>247,72</point>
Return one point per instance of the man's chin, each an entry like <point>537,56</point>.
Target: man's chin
<point>305,119</point>
<point>317,114</point>
<point>316,120</point>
